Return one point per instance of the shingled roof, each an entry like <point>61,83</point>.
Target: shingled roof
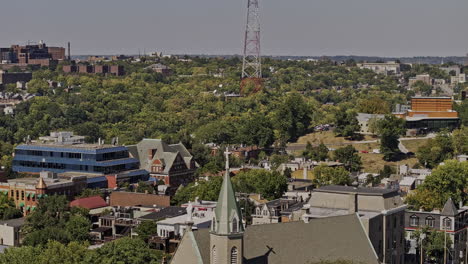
<point>165,153</point>
<point>449,208</point>
<point>92,202</point>
<point>332,238</point>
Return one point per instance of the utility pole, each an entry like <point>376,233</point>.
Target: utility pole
<point>251,64</point>
<point>445,243</point>
<point>421,253</point>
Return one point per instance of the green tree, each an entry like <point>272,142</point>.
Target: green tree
<point>319,153</point>
<point>89,193</point>
<point>127,250</point>
<point>276,160</point>
<point>270,184</point>
<point>78,228</point>
<point>446,181</point>
<point>460,140</point>
<point>346,123</point>
<point>436,150</point>
<point>390,128</point>
<point>292,117</point>
<point>325,175</point>
<point>422,87</point>
<point>146,229</point>
<point>349,157</point>
<point>144,187</point>
<point>8,209</point>
<point>373,105</point>
<point>433,243</point>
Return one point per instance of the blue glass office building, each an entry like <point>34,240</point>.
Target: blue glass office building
<point>85,158</point>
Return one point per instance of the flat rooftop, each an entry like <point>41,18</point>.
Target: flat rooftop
<point>34,181</point>
<point>18,222</point>
<point>319,212</point>
<point>351,189</point>
<point>71,146</point>
<point>182,219</point>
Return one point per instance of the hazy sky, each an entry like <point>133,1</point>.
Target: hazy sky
<point>289,27</point>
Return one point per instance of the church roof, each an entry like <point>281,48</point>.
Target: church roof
<point>227,206</point>
<point>449,208</point>
<point>332,238</point>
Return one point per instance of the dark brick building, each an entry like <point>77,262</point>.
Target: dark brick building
<point>13,77</point>
<point>116,70</point>
<point>37,54</point>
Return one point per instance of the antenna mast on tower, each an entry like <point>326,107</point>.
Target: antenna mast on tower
<point>251,65</point>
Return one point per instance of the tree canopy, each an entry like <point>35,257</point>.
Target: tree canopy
<point>446,181</point>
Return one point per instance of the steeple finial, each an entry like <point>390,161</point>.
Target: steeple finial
<point>227,153</point>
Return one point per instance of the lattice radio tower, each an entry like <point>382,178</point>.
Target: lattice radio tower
<point>252,65</point>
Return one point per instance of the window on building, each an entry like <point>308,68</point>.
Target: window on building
<point>430,221</point>
<point>447,223</point>
<point>235,224</point>
<point>414,220</point>
<point>213,255</point>
<point>234,255</point>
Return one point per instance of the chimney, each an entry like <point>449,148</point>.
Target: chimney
<point>305,173</point>
<point>69,52</point>
<point>353,203</point>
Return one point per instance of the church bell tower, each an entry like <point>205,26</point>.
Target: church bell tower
<point>227,230</point>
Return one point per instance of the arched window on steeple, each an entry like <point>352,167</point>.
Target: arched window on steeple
<point>235,225</point>
<point>213,255</point>
<point>234,256</point>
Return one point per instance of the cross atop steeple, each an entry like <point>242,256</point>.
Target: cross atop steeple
<point>227,153</point>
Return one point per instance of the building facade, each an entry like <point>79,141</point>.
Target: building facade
<point>381,211</point>
<point>387,68</point>
<point>10,232</point>
<point>450,220</point>
<point>64,153</point>
<point>26,192</point>
<point>14,77</point>
<point>430,114</point>
<point>37,54</point>
<point>172,164</point>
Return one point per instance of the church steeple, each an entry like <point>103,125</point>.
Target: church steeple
<point>228,216</point>
<point>227,231</point>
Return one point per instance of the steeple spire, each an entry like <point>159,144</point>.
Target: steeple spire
<point>228,217</point>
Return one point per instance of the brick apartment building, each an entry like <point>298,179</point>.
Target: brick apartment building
<point>37,54</point>
<point>116,70</point>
